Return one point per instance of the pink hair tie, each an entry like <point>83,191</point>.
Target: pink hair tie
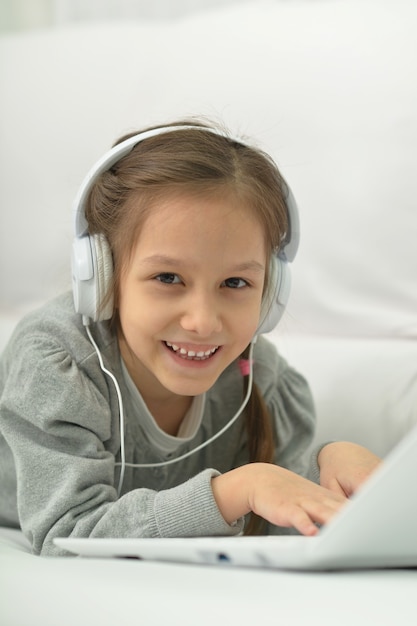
<point>244,366</point>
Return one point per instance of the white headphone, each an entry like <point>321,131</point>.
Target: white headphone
<point>92,264</point>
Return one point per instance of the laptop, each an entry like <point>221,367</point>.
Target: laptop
<point>377,528</point>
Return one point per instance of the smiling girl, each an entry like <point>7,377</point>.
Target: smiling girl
<point>126,418</point>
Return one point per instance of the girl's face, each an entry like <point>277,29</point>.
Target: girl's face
<point>190,297</point>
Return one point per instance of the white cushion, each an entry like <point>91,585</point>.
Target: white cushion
<point>365,390</point>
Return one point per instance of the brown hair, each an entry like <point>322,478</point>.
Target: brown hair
<point>191,161</point>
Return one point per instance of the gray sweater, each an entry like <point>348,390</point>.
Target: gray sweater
<point>60,442</point>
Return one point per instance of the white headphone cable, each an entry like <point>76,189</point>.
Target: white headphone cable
<point>121,411</point>
<point>122,462</point>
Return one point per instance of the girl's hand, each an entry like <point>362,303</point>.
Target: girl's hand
<point>276,494</point>
<point>344,466</point>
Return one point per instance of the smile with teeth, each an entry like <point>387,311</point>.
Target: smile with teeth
<point>194,355</point>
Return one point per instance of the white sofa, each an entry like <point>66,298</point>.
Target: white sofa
<point>329,89</point>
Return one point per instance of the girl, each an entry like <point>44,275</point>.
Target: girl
<point>122,409</point>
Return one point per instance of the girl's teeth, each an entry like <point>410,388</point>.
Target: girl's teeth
<point>191,353</point>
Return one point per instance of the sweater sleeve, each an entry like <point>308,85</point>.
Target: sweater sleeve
<point>57,422</point>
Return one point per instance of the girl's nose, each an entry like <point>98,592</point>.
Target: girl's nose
<point>202,315</point>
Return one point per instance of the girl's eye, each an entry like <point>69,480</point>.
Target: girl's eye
<point>168,279</point>
<point>235,283</point>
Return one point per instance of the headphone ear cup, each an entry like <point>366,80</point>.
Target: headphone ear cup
<point>92,273</point>
<point>277,295</point>
<point>104,277</point>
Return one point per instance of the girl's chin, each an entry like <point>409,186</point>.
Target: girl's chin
<point>187,386</point>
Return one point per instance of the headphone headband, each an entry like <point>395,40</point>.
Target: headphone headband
<point>290,245</point>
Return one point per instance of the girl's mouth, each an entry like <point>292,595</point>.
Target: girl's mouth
<point>192,355</point>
